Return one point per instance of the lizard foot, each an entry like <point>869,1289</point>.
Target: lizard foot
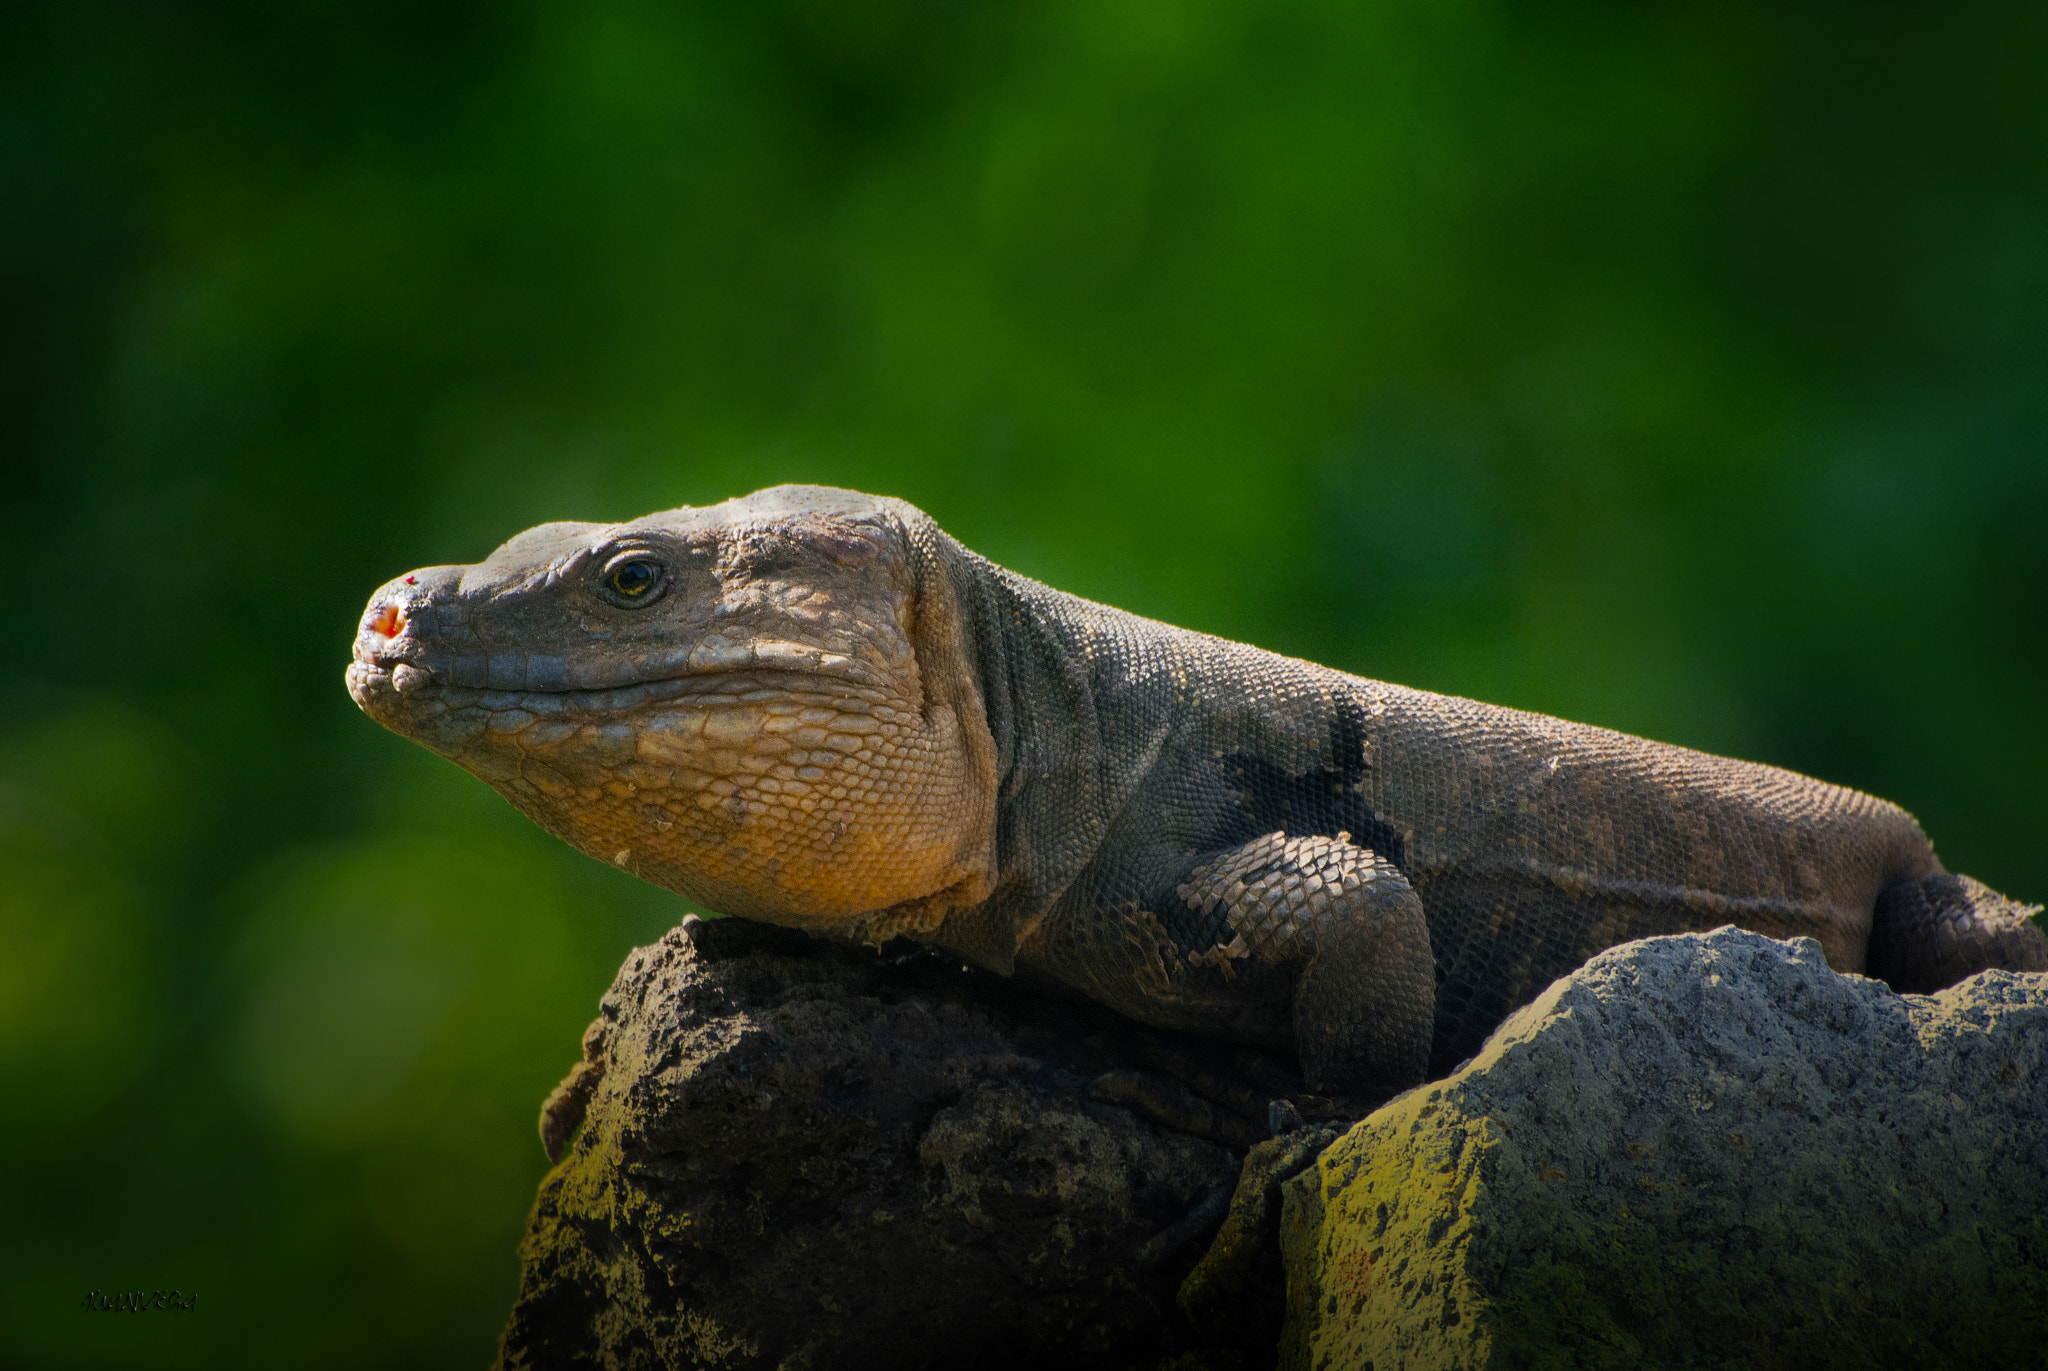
<point>1928,934</point>
<point>1200,1089</point>
<point>1171,1105</point>
<point>1241,1079</point>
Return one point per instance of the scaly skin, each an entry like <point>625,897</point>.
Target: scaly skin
<point>813,708</point>
<point>766,749</point>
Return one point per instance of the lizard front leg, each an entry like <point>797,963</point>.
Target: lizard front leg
<point>1363,1013</point>
<point>1365,999</point>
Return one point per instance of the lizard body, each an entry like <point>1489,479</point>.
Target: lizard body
<point>814,708</point>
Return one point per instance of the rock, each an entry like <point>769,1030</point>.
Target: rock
<point>1708,1150</point>
<point>795,1155</point>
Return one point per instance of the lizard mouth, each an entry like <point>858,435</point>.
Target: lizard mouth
<point>386,648</point>
<point>418,702</point>
<point>417,685</point>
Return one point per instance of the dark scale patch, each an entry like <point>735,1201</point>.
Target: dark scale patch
<point>1259,797</point>
<point>1191,929</point>
<point>1325,801</point>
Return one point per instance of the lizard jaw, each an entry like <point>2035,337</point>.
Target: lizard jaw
<point>802,800</point>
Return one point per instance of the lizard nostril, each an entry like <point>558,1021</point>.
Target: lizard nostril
<point>389,621</point>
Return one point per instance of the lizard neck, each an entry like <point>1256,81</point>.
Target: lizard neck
<point>1075,717</point>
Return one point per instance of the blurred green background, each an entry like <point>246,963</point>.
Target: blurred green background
<point>1682,369</point>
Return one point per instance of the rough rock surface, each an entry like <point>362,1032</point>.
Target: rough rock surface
<point>804,1156</point>
<point>1704,1150</point>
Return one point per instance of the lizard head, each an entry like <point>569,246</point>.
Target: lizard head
<point>766,705</point>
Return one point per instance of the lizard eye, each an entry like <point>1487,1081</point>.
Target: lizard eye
<point>635,581</point>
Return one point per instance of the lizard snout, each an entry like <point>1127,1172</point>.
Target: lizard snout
<point>398,630</point>
<point>390,650</point>
<point>382,638</point>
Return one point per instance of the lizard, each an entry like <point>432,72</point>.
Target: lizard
<point>812,707</point>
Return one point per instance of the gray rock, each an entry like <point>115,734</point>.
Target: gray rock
<point>1708,1150</point>
<point>801,1156</point>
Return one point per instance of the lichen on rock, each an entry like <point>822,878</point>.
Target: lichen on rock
<point>1704,1150</point>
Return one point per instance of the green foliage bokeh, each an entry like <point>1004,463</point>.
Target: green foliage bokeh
<point>1679,369</point>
